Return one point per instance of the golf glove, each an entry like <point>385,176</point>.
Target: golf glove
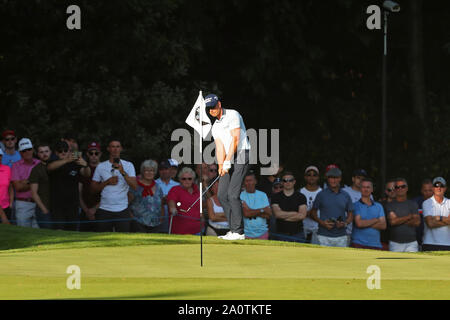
<point>227,165</point>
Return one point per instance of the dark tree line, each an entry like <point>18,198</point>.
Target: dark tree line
<point>310,68</point>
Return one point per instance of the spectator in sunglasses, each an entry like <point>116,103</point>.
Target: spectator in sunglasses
<point>389,196</point>
<point>89,200</point>
<point>436,211</point>
<point>310,191</point>
<point>289,208</point>
<point>277,187</point>
<point>403,217</point>
<point>65,174</point>
<point>179,199</point>
<point>20,172</point>
<point>10,155</point>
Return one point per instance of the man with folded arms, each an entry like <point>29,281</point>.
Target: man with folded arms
<point>436,212</point>
<point>403,217</point>
<point>369,219</point>
<point>289,208</point>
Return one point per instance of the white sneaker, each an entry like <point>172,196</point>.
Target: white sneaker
<point>234,236</point>
<point>227,235</point>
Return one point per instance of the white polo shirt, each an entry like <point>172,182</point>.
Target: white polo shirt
<point>114,197</point>
<point>231,119</point>
<point>441,235</point>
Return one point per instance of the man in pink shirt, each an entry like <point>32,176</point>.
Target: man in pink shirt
<point>6,191</point>
<point>25,205</point>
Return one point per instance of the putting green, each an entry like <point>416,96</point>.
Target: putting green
<point>150,266</point>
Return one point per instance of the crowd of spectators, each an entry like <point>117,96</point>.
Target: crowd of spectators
<point>59,187</point>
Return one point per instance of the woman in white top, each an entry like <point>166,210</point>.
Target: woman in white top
<point>217,223</point>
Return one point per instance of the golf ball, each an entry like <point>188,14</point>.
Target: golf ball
<point>178,204</point>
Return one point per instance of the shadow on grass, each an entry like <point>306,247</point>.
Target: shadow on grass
<point>30,239</point>
<point>183,295</point>
<point>14,237</point>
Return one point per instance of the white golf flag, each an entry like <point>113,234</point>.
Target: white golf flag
<point>197,114</point>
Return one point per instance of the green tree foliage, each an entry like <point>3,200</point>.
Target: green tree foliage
<point>310,68</point>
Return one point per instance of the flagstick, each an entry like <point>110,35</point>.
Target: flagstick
<point>201,185</point>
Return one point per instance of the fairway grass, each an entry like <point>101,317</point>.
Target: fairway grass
<point>33,265</point>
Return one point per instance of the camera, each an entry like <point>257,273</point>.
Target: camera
<point>391,6</point>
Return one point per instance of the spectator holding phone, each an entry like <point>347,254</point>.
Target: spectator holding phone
<point>113,178</point>
<point>64,175</point>
<point>336,211</point>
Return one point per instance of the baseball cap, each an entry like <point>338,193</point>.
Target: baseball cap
<point>359,172</point>
<point>8,133</point>
<point>276,181</point>
<point>165,164</point>
<point>94,145</point>
<point>211,100</point>
<point>331,166</point>
<point>173,162</point>
<point>314,168</point>
<point>441,180</point>
<point>334,172</point>
<point>24,144</point>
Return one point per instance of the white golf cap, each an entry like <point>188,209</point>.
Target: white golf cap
<point>313,168</point>
<point>25,144</point>
<point>173,163</point>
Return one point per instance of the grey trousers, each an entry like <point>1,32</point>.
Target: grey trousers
<point>229,193</point>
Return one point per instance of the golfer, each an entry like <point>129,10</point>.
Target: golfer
<point>232,152</point>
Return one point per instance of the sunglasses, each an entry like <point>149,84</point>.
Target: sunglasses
<point>439,185</point>
<point>94,153</point>
<point>212,170</point>
<point>278,187</point>
<point>403,186</point>
<point>25,150</point>
<point>390,190</point>
<point>63,151</point>
<point>288,180</point>
<point>183,179</point>
<point>9,139</point>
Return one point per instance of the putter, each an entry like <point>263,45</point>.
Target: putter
<point>186,211</point>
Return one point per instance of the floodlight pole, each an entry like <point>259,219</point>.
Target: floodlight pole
<point>201,184</point>
<point>383,104</point>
